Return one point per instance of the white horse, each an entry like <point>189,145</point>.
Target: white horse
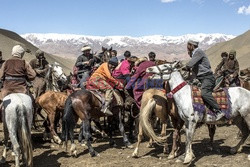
<point>17,119</point>
<point>55,74</point>
<point>239,98</point>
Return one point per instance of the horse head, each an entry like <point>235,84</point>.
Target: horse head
<point>58,73</point>
<point>105,55</point>
<point>245,72</point>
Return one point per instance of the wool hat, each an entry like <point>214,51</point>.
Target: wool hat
<point>18,51</point>
<point>85,47</point>
<point>113,61</point>
<point>193,42</point>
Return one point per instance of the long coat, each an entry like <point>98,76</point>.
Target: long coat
<point>14,73</point>
<point>138,80</point>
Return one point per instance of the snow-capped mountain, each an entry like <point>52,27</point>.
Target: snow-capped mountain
<point>165,47</point>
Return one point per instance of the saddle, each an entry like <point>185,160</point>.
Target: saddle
<point>222,97</point>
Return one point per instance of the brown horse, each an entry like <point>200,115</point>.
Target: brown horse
<point>53,104</point>
<point>245,78</point>
<point>105,55</point>
<point>154,101</point>
<point>85,105</point>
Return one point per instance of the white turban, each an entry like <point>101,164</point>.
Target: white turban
<point>193,42</point>
<point>85,47</point>
<point>18,51</point>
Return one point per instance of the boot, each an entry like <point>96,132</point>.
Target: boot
<point>105,108</point>
<point>219,114</point>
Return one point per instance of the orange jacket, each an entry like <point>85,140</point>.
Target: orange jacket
<point>104,73</point>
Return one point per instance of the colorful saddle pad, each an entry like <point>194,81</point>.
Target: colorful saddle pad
<point>222,98</point>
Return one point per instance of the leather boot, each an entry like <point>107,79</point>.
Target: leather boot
<point>219,114</point>
<point>105,108</point>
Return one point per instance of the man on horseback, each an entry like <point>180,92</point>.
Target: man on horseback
<point>41,66</point>
<point>84,63</point>
<point>123,69</point>
<point>15,72</point>
<point>103,80</point>
<point>200,66</point>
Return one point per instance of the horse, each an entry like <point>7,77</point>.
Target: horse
<point>56,79</point>
<point>182,94</point>
<point>105,55</point>
<point>245,78</point>
<point>154,102</point>
<point>85,105</point>
<point>53,104</point>
<point>17,118</point>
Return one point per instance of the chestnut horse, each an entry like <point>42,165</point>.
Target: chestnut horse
<point>53,104</point>
<point>85,105</point>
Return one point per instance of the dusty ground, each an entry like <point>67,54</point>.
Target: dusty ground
<point>45,156</point>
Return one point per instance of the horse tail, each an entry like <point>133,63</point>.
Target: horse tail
<point>145,123</point>
<point>25,135</point>
<point>68,122</point>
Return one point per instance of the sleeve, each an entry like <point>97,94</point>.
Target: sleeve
<point>31,74</point>
<point>195,59</point>
<point>236,68</point>
<point>2,71</point>
<point>78,62</point>
<point>219,67</point>
<point>134,78</point>
<point>125,69</point>
<point>108,74</point>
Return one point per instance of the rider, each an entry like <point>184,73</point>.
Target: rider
<point>41,67</point>
<point>102,79</point>
<point>232,70</point>
<point>84,63</point>
<point>1,63</point>
<point>222,65</point>
<point>138,80</point>
<point>200,66</point>
<point>123,69</point>
<point>152,56</point>
<point>15,72</point>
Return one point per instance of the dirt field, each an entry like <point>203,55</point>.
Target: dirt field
<point>45,155</point>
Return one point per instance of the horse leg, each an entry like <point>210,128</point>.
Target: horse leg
<point>211,129</point>
<point>163,133</point>
<point>122,130</point>
<point>241,124</point>
<point>139,139</point>
<point>178,124</point>
<point>14,141</point>
<point>72,150</point>
<point>190,129</point>
<point>55,137</point>
<point>111,129</point>
<point>99,130</point>
<point>6,136</point>
<point>87,136</point>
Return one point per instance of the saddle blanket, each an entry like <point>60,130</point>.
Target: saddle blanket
<point>222,97</point>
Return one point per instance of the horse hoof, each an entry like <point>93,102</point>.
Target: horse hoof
<point>134,155</point>
<point>75,154</point>
<point>2,161</point>
<point>94,154</point>
<point>233,151</point>
<point>171,156</point>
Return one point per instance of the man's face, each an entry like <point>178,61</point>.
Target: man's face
<point>111,67</point>
<point>190,49</point>
<point>231,56</point>
<point>86,52</point>
<point>113,54</point>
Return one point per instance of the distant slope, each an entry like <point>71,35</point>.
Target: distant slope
<point>8,39</point>
<point>242,46</point>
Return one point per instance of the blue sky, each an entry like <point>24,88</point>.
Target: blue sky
<point>126,17</point>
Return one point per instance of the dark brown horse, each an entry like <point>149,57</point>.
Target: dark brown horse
<point>105,55</point>
<point>85,105</point>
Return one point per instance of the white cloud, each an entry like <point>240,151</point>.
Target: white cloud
<point>167,1</point>
<point>199,1</point>
<point>244,10</point>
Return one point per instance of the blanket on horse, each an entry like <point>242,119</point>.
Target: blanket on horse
<point>222,98</point>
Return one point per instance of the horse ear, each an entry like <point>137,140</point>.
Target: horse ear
<point>70,74</point>
<point>110,49</point>
<point>103,49</point>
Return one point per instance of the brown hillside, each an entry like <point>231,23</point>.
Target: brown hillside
<point>242,46</point>
<point>8,39</point>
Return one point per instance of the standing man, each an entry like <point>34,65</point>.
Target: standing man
<point>84,64</point>
<point>15,72</point>
<point>200,66</point>
<point>41,67</point>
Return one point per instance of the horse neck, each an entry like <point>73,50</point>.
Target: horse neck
<point>183,96</point>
